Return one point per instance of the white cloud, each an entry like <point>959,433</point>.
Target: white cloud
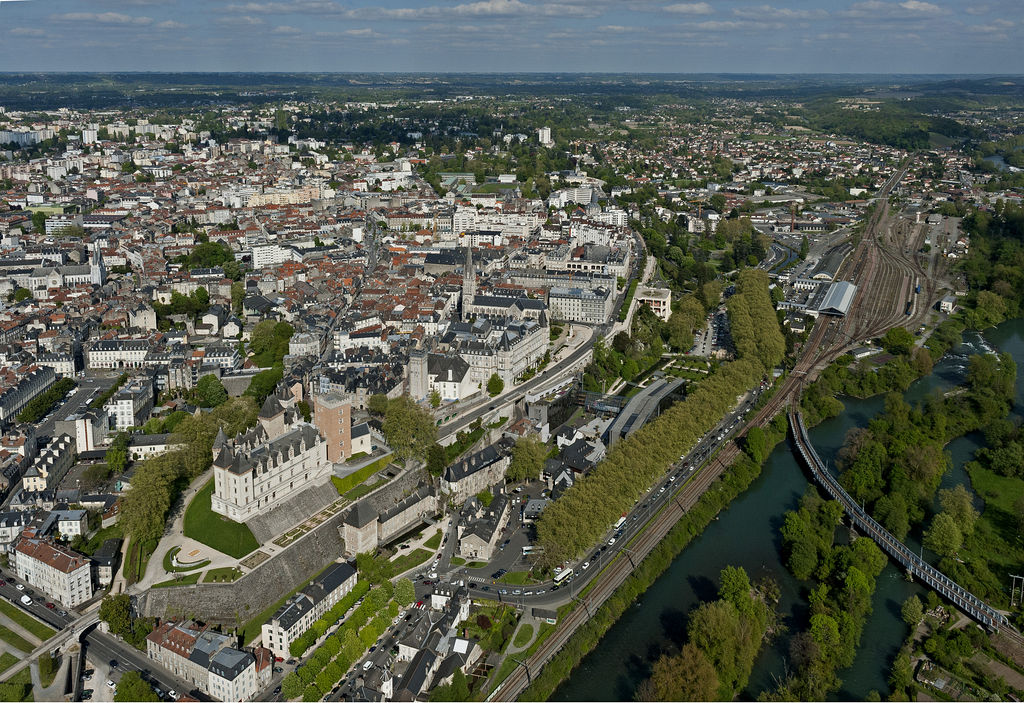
<point>926,8</point>
<point>170,24</point>
<point>363,32</point>
<point>481,8</point>
<point>247,20</point>
<point>785,13</point>
<point>286,30</point>
<point>878,10</point>
<point>281,8</point>
<point>690,8</point>
<point>27,32</point>
<point>102,18</point>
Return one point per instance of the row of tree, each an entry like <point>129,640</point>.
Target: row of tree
<point>37,408</point>
<point>328,620</point>
<point>339,651</point>
<point>576,521</point>
<point>159,479</point>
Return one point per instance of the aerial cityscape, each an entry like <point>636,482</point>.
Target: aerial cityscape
<point>505,350</point>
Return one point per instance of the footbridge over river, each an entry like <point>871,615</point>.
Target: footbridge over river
<point>928,574</point>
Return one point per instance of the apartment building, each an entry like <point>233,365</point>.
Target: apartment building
<point>581,305</point>
<point>60,573</point>
<point>304,608</point>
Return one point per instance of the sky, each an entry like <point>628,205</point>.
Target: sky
<point>671,36</point>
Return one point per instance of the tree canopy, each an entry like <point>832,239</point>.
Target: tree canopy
<point>132,687</point>
<point>528,457</point>
<point>210,392</point>
<point>409,429</point>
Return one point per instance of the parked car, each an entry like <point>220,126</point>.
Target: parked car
<point>111,685</point>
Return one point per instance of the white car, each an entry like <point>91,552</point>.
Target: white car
<point>111,685</point>
<point>586,565</point>
<point>172,694</point>
<point>20,587</point>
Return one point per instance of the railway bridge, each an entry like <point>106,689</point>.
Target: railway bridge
<point>935,579</point>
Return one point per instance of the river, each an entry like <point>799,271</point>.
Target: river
<point>747,534</point>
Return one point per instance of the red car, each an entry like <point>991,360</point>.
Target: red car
<point>51,606</point>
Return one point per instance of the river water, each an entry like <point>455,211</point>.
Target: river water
<point>747,534</point>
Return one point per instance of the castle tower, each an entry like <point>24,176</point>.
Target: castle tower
<point>468,282</point>
<point>332,415</point>
<point>419,382</point>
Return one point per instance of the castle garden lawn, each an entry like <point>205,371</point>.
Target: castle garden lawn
<point>204,525</point>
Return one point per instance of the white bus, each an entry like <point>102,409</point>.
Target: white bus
<point>620,523</point>
<point>562,576</point>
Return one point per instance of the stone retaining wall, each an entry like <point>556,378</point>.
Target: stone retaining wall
<point>237,603</point>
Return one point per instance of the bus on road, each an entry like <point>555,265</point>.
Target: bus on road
<point>563,576</point>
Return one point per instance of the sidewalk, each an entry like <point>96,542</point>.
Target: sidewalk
<point>174,536</point>
<point>55,691</point>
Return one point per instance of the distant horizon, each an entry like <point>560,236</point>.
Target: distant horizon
<point>515,73</point>
<point>724,37</point>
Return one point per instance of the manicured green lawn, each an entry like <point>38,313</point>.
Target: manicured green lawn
<point>226,536</point>
<point>225,574</point>
<point>20,688</point>
<point>14,639</point>
<point>523,636</point>
<point>346,484</point>
<point>364,488</point>
<point>26,621</point>
<point>183,581</point>
<point>434,542</point>
<point>408,561</point>
<point>137,560</point>
<point>517,578</point>
<point>170,568</point>
<point>7,660</point>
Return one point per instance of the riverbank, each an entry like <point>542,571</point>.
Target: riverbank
<point>734,482</point>
<point>747,534</point>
